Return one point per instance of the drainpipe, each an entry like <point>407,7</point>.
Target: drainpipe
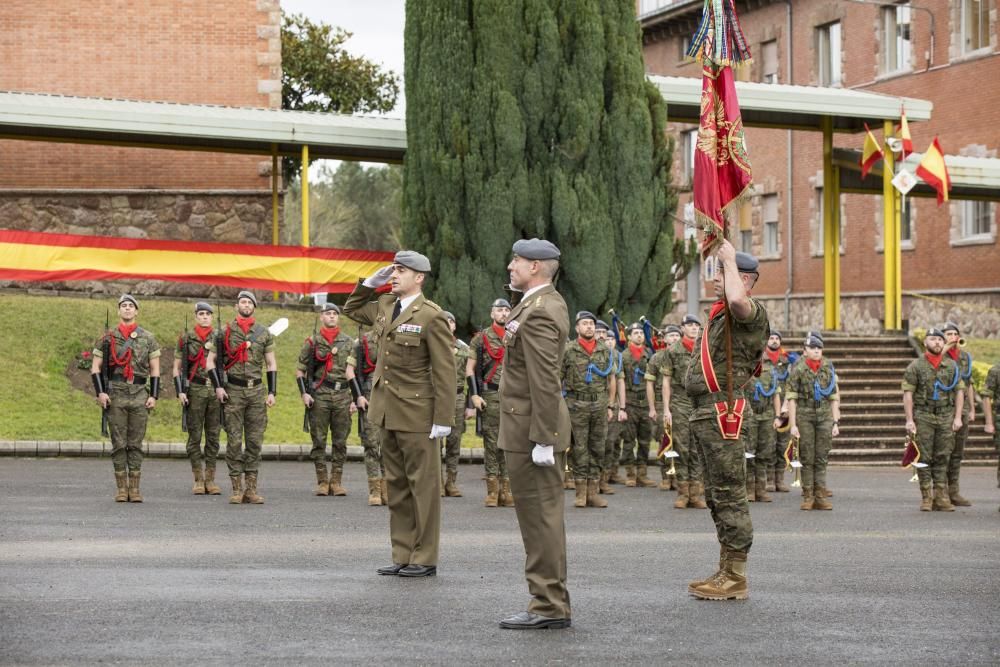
<point>788,185</point>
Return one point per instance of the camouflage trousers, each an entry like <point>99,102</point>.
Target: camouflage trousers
<point>761,438</point>
<point>996,442</point>
<point>636,433</point>
<point>815,443</point>
<point>935,439</point>
<point>245,417</point>
<point>493,459</point>
<point>127,416</point>
<point>590,433</point>
<point>453,443</point>
<point>204,415</point>
<point>330,413</point>
<point>688,462</point>
<point>958,451</point>
<point>725,482</point>
<point>613,444</point>
<point>370,443</point>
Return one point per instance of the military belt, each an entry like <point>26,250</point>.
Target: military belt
<point>934,409</point>
<point>585,395</point>
<point>492,387</point>
<point>248,384</point>
<point>336,386</point>
<point>136,379</point>
<point>702,400</point>
<point>198,380</point>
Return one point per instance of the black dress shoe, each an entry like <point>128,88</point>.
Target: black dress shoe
<point>391,569</point>
<point>525,620</point>
<point>418,571</point>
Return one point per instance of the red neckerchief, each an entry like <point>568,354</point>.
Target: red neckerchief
<point>814,364</point>
<point>717,308</point>
<point>934,359</point>
<point>369,364</point>
<point>688,344</point>
<point>203,332</point>
<point>238,354</point>
<point>497,354</point>
<point>124,361</point>
<point>499,330</point>
<point>774,355</point>
<point>637,351</point>
<point>329,335</point>
<point>588,345</point>
<point>953,353</point>
<point>244,323</point>
<point>198,360</point>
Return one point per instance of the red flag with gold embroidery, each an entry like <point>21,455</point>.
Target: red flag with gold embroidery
<point>934,172</point>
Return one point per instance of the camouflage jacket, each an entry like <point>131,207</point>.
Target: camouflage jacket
<point>654,372</point>
<point>322,362</point>
<point>812,392</point>
<point>142,345</point>
<point>462,353</point>
<point>676,368</point>
<point>991,388</point>
<point>583,373</point>
<point>923,380</point>
<point>190,344</point>
<point>365,350</point>
<point>635,374</point>
<point>231,338</point>
<point>773,380</point>
<point>486,346</point>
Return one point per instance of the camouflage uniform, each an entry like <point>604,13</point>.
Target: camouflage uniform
<point>204,412</point>
<point>127,413</point>
<point>453,443</point>
<point>639,427</point>
<point>781,372</point>
<point>675,367</point>
<point>761,433</point>
<point>991,390</point>
<point>486,346</point>
<point>366,349</point>
<point>585,379</point>
<point>933,417</point>
<point>613,440</point>
<point>325,365</point>
<point>654,374</point>
<point>813,394</point>
<point>244,412</point>
<point>958,451</point>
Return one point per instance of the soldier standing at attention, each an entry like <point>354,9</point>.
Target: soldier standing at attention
<point>677,408</point>
<point>952,336</point>
<point>991,408</point>
<point>483,371</point>
<point>453,444</point>
<point>776,364</point>
<point>617,415</point>
<point>242,352</point>
<point>364,361</point>
<point>933,394</point>
<point>672,334</point>
<point>638,428</point>
<point>766,405</point>
<point>717,426</point>
<point>587,375</point>
<point>133,356</point>
<point>654,397</point>
<point>535,430</point>
<point>814,418</point>
<point>196,396</point>
<point>324,375</point>
<point>413,404</point>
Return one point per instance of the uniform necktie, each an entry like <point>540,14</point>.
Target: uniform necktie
<point>397,309</point>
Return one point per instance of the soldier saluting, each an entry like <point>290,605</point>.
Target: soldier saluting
<point>132,355</point>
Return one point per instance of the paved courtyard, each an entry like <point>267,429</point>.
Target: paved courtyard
<point>186,579</point>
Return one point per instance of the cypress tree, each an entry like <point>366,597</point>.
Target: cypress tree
<point>533,118</point>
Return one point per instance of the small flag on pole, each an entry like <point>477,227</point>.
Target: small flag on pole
<point>934,172</point>
<point>904,133</point>
<point>871,153</point>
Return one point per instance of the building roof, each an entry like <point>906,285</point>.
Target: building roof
<point>971,177</point>
<point>793,107</point>
<point>200,127</point>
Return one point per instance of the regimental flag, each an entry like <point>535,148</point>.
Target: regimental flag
<point>618,329</point>
<point>934,172</point>
<point>44,257</point>
<point>904,133</point>
<point>871,153</point>
<point>911,454</point>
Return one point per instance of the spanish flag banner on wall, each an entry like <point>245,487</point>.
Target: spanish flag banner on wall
<point>934,172</point>
<point>42,257</point>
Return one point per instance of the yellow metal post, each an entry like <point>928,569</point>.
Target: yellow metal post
<point>274,200</point>
<point>835,233</point>
<point>305,196</point>
<point>890,235</point>
<point>831,234</point>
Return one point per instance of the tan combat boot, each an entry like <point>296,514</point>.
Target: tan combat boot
<point>199,481</point>
<point>384,491</point>
<point>211,488</point>
<point>374,496</point>
<point>442,483</point>
<point>641,479</point>
<point>629,476</point>
<point>336,474</point>
<point>819,499</point>
<point>665,482</point>
<point>682,495</point>
<point>602,484</point>
<point>779,482</point>
<point>941,502</point>
<point>760,490</point>
<point>581,493</point>
<point>568,483</point>
<point>956,498</point>
<point>451,485</point>
<point>250,494</point>
<point>322,482</point>
<point>121,481</point>
<point>722,566</point>
<point>751,490</point>
<point>134,495</point>
<point>492,491</point>
<point>828,492</point>
<point>925,499</point>
<point>613,477</point>
<point>593,499</point>
<point>807,499</point>
<point>237,496</point>
<point>696,497</point>
<point>769,481</point>
<point>730,583</point>
<point>505,497</point>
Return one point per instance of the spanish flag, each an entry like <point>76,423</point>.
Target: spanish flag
<point>904,133</point>
<point>934,172</point>
<point>871,153</point>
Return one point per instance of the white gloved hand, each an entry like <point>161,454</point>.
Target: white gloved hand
<point>438,431</point>
<point>379,278</point>
<point>543,455</point>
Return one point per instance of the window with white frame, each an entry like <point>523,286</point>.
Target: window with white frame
<point>828,54</point>
<point>821,239</point>
<point>906,221</point>
<point>896,45</point>
<point>974,25</point>
<point>689,144</point>
<point>976,219</point>
<point>649,6</point>
<point>769,58</point>
<point>770,217</point>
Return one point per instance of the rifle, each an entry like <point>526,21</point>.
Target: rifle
<point>310,373</point>
<point>360,378</point>
<point>105,375</point>
<point>185,371</point>
<point>477,379</point>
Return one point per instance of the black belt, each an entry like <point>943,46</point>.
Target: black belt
<point>136,379</point>
<point>585,395</point>
<point>492,387</point>
<point>198,380</point>
<point>248,384</point>
<point>336,386</point>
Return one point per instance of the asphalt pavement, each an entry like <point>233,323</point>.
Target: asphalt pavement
<point>184,579</point>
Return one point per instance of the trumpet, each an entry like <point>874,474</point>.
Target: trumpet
<point>667,448</point>
<point>794,445</point>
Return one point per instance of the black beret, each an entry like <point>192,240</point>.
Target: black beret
<point>934,332</point>
<point>203,305</point>
<point>501,303</point>
<point>586,315</point>
<point>813,341</point>
<point>691,319</point>
<point>602,326</point>
<point>632,327</point>
<point>775,332</point>
<point>246,294</point>
<point>951,326</point>
<point>672,328</point>
<point>130,299</point>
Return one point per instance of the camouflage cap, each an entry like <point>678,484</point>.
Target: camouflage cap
<point>413,260</point>
<point>128,297</point>
<point>535,249</point>
<point>202,305</point>
<point>501,303</point>
<point>246,294</point>
<point>329,305</point>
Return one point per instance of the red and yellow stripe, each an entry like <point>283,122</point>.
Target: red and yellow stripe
<point>43,257</point>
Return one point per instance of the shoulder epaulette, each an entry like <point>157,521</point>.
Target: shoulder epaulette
<point>428,302</point>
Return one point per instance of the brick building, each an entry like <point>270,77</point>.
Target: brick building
<point>950,256</point>
<point>159,50</point>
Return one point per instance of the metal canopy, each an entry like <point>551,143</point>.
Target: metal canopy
<point>971,177</point>
<point>200,127</point>
<point>793,107</point>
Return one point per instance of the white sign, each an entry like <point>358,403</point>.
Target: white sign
<point>904,181</point>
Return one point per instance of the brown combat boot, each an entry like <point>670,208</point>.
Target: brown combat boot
<point>722,566</point>
<point>121,482</point>
<point>199,481</point>
<point>603,484</point>
<point>613,477</point>
<point>568,483</point>
<point>384,491</point>
<point>505,498</point>
<point>336,474</point>
<point>827,492</point>
<point>134,495</point>
<point>593,499</point>
<point>941,502</point>
<point>819,499</point>
<point>807,499</point>
<point>492,491</point>
<point>751,490</point>
<point>779,482</point>
<point>730,583</point>
<point>925,499</point>
<point>322,482</point>
<point>641,479</point>
<point>666,482</point>
<point>760,490</point>
<point>682,495</point>
<point>769,481</point>
<point>374,496</point>
<point>630,476</point>
<point>211,488</point>
<point>237,496</point>
<point>451,485</point>
<point>956,498</point>
<point>696,496</point>
<point>250,494</point>
<point>581,493</point>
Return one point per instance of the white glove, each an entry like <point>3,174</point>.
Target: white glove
<point>542,455</point>
<point>438,431</point>
<point>379,278</point>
